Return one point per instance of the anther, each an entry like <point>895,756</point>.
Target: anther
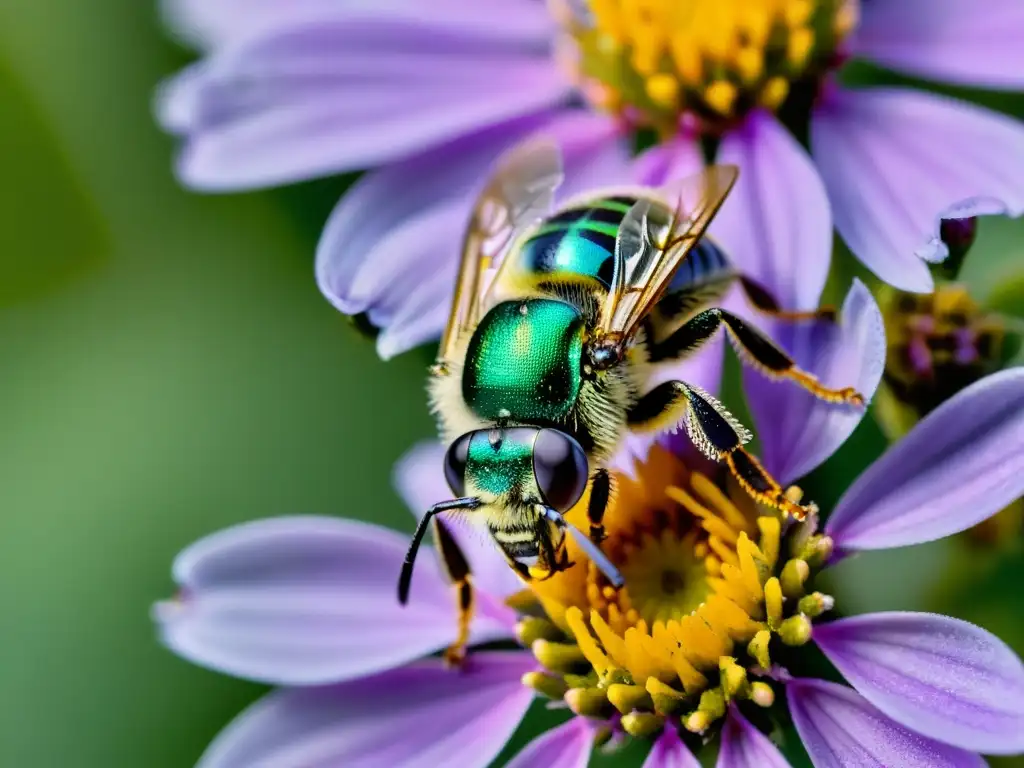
<point>559,657</point>
<point>713,702</point>
<point>815,604</point>
<point>588,702</point>
<point>667,700</point>
<point>733,678</point>
<point>758,648</point>
<point>642,724</point>
<point>773,603</point>
<point>697,722</point>
<point>626,698</point>
<point>533,628</point>
<point>761,694</point>
<point>793,577</point>
<point>546,685</point>
<point>796,630</point>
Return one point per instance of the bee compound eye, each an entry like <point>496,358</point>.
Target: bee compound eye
<point>455,464</point>
<point>560,468</point>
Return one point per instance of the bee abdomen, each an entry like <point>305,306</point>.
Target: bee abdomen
<point>577,244</point>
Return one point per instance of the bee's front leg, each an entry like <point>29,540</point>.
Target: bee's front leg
<point>457,568</point>
<point>601,492</point>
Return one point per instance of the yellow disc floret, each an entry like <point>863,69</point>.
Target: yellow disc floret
<point>713,60</point>
<point>710,588</point>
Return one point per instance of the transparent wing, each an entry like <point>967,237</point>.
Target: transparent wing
<point>520,191</point>
<point>653,240</point>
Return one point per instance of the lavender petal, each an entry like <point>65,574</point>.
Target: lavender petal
<point>419,716</point>
<point>743,746</point>
<point>958,466</point>
<point>308,600</point>
<point>776,224</point>
<point>331,95</point>
<point>896,162</point>
<point>840,728</point>
<point>950,40</point>
<point>943,677</point>
<point>670,752</point>
<point>798,431</point>
<point>567,746</point>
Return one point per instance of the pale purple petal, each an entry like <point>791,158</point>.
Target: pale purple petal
<point>308,600</point>
<point>961,464</point>
<point>420,716</point>
<point>743,746</point>
<point>354,257</point>
<point>776,224</point>
<point>840,729</point>
<point>419,478</point>
<point>391,247</point>
<point>958,41</point>
<point>665,162</point>
<point>212,23</point>
<point>327,96</point>
<point>896,161</point>
<point>567,746</point>
<point>798,431</point>
<point>175,104</point>
<point>670,752</point>
<point>943,677</point>
<point>418,320</point>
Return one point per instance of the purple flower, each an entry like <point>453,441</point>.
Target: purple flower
<point>308,603</point>
<point>431,95</point>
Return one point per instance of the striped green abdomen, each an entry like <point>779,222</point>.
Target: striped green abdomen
<point>577,242</point>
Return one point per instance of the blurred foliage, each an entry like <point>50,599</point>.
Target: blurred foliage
<point>169,368</point>
<point>51,229</point>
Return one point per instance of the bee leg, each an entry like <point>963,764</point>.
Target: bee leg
<point>717,434</point>
<point>762,487</point>
<point>457,568</point>
<point>754,348</point>
<point>601,491</point>
<point>664,407</point>
<point>763,301</point>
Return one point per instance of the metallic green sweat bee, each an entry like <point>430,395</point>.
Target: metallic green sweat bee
<point>544,367</point>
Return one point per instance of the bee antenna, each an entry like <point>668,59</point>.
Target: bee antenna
<point>590,549</point>
<point>405,578</point>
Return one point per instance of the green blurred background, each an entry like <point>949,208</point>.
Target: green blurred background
<point>167,368</point>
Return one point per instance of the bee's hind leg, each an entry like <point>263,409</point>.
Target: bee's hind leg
<point>754,348</point>
<point>718,435</point>
<point>763,301</point>
<point>457,568</point>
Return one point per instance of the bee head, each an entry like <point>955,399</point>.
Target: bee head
<point>528,478</point>
<point>518,465</point>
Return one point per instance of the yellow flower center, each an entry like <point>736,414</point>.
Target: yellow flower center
<point>712,60</point>
<point>712,586</point>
